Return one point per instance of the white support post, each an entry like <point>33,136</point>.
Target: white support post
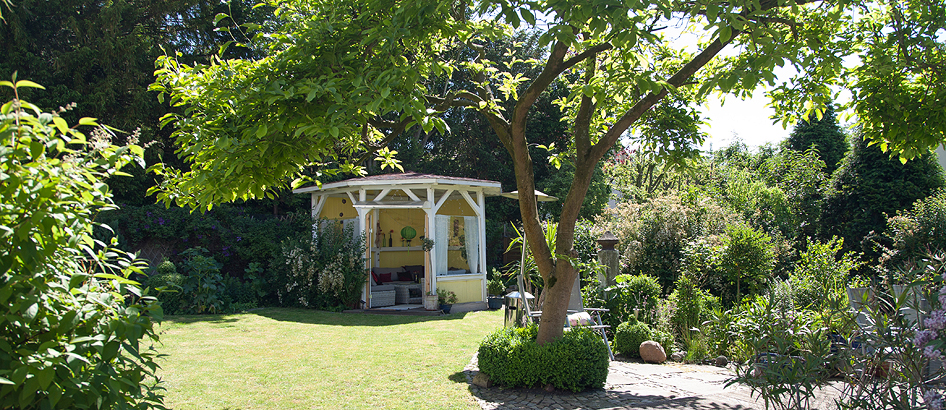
<point>481,218</point>
<point>318,202</point>
<point>431,227</point>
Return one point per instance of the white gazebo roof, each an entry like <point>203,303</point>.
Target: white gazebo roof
<point>404,179</point>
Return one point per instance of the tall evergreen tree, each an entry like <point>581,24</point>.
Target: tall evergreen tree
<point>825,135</point>
<point>868,186</point>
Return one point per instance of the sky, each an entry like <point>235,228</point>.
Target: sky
<point>747,120</point>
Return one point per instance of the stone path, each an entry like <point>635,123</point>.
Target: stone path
<point>638,386</point>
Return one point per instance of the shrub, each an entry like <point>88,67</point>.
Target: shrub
<point>630,293</point>
<point>321,270</point>
<point>818,280</point>
<point>75,331</point>
<point>629,336</point>
<point>169,284</point>
<point>914,233</point>
<point>577,361</point>
<point>203,285</point>
<point>653,234</point>
<point>747,260</point>
<point>693,305</point>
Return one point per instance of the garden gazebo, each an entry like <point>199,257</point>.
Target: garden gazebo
<point>387,209</point>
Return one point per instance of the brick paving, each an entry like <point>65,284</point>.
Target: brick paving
<point>638,386</point>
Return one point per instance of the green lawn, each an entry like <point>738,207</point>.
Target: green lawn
<point>295,359</point>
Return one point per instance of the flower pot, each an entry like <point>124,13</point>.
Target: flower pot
<point>495,302</point>
<point>430,302</point>
<point>445,307</point>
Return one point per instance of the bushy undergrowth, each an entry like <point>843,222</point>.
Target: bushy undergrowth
<point>75,330</point>
<point>577,361</point>
<point>324,270</point>
<point>629,336</point>
<point>632,297</point>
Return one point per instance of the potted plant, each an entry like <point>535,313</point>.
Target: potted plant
<point>495,288</point>
<point>430,300</point>
<point>446,298</point>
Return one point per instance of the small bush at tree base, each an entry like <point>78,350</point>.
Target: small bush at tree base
<point>577,361</point>
<point>630,335</point>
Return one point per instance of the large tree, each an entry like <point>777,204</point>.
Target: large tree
<point>823,134</point>
<point>345,77</point>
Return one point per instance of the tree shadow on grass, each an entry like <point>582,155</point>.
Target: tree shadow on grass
<point>186,319</point>
<point>320,317</point>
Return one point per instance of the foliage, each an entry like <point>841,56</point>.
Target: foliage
<point>746,259</point>
<point>446,297</point>
<point>236,235</point>
<point>203,284</point>
<point>99,58</point>
<point>629,336</point>
<point>868,186</point>
<point>169,284</point>
<point>74,329</point>
<point>495,285</point>
<point>916,232</point>
<point>632,297</point>
<point>322,270</point>
<point>819,279</point>
<point>693,305</point>
<point>653,234</point>
<point>821,134</point>
<point>576,362</point>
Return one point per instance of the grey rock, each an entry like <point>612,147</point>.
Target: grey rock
<point>678,356</point>
<point>721,361</point>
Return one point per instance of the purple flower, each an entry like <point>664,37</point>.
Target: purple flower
<point>933,399</point>
<point>932,353</point>
<point>942,296</point>
<point>936,321</point>
<point>239,238</point>
<point>160,221</point>
<point>923,337</point>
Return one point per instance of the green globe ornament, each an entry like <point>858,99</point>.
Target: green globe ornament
<point>408,233</point>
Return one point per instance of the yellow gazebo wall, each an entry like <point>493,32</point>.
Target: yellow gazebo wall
<point>338,208</point>
<point>467,290</point>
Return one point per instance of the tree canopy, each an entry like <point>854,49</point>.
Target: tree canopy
<point>342,78</point>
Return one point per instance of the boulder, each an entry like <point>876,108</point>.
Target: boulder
<point>721,361</point>
<point>652,352</point>
<point>482,379</point>
<point>678,356</point>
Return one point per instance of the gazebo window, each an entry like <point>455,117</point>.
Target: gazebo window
<point>457,252</point>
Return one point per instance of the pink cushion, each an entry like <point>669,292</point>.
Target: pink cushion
<point>579,319</point>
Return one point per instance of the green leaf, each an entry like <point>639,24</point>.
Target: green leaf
<point>61,125</point>
<point>4,380</point>
<point>725,33</point>
<point>29,84</point>
<point>527,16</point>
<point>261,131</point>
<point>219,16</point>
<point>88,121</point>
<point>333,131</point>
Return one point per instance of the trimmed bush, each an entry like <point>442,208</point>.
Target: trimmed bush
<point>576,362</point>
<point>630,335</point>
<point>169,283</point>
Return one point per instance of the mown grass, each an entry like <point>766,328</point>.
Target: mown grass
<point>293,359</point>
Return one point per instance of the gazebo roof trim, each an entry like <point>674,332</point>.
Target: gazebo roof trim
<point>407,178</point>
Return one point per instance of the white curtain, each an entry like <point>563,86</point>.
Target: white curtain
<point>441,232</point>
<point>471,230</point>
